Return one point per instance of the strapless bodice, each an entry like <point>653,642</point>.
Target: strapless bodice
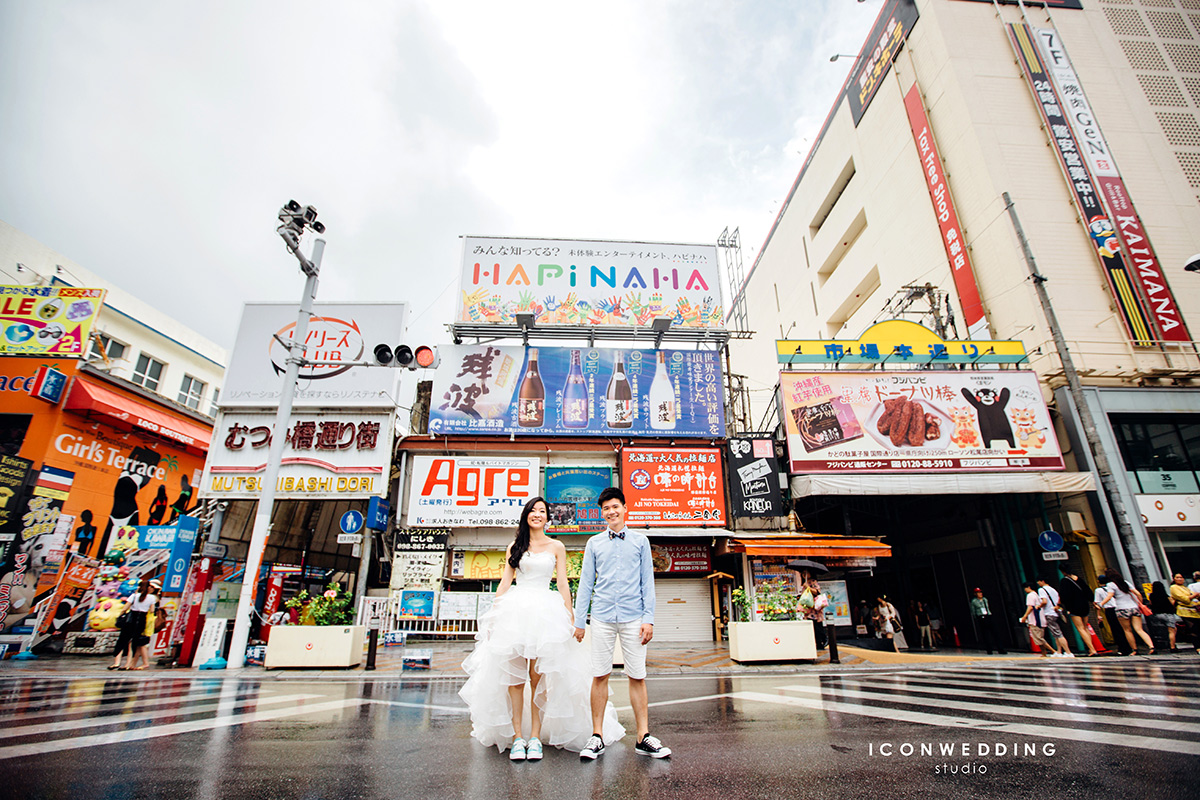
<point>536,570</point>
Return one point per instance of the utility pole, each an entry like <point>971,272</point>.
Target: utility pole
<point>295,220</point>
<point>1087,421</point>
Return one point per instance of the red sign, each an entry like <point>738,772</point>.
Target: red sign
<point>673,559</point>
<point>947,217</point>
<point>72,585</point>
<point>673,486</point>
<point>271,603</point>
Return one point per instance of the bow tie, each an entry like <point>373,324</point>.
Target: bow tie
<point>616,534</point>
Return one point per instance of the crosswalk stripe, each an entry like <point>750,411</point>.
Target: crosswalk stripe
<point>85,689</point>
<point>90,706</point>
<point>453,709</point>
<point>945,688</point>
<point>65,726</point>
<point>1044,689</point>
<point>990,726</point>
<point>1003,710</point>
<point>1069,671</point>
<point>172,729</point>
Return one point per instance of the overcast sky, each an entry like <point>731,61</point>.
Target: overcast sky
<point>153,143</point>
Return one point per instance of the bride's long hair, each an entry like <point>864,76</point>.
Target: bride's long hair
<point>521,543</point>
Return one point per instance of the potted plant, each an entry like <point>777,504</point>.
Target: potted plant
<point>778,633</point>
<point>325,636</point>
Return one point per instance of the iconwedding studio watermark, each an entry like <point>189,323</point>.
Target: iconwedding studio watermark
<point>962,758</point>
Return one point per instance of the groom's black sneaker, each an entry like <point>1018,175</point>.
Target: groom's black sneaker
<point>593,749</point>
<point>650,746</point>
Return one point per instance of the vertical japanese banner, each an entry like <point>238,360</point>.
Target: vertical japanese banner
<point>943,207</point>
<point>14,476</point>
<point>1128,225</point>
<point>1081,183</point>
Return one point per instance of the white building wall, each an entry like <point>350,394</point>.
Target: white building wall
<point>141,327</point>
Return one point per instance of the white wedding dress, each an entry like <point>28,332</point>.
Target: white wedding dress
<point>529,623</point>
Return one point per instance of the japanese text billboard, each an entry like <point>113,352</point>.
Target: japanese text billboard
<point>325,456</point>
<point>671,558</point>
<point>892,27</point>
<point>673,486</point>
<point>571,493</point>
<point>577,392</point>
<point>754,479</point>
<point>456,490</point>
<point>569,282</point>
<point>917,421</point>
<point>342,332</point>
<point>47,320</point>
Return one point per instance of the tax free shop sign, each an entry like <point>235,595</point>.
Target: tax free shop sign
<point>458,491</point>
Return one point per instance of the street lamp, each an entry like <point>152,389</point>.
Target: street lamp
<point>294,221</point>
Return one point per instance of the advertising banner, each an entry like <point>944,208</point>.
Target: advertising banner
<point>47,320</point>
<point>678,559</point>
<point>754,479</point>
<point>673,486</point>
<point>326,456</point>
<point>917,422</point>
<point>589,283</point>
<point>1082,185</point>
<point>14,476</point>
<point>1147,271</point>
<point>943,207</point>
<point>345,332</point>
<point>422,539</point>
<point>456,490</point>
<point>489,389</point>
<point>892,27</point>
<point>571,493</point>
<point>418,570</point>
<point>838,610</point>
<point>417,604</point>
<point>73,584</point>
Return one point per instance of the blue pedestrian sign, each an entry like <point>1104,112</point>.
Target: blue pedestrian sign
<point>352,522</point>
<point>1050,541</point>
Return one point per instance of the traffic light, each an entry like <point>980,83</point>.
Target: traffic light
<point>421,356</point>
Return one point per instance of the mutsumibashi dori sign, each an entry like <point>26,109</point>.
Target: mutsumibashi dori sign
<point>575,282</point>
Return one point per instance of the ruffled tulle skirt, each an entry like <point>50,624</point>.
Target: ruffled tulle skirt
<point>523,626</point>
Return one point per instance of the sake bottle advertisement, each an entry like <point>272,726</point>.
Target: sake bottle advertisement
<point>582,391</point>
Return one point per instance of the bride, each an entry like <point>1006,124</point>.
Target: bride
<point>528,636</point>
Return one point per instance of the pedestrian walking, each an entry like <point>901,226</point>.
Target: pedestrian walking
<point>889,621</point>
<point>985,622</point>
<point>1050,617</point>
<point>925,632</point>
<point>814,611</point>
<point>1187,606</point>
<point>1162,610</point>
<point>528,637</point>
<point>1075,599</point>
<point>1103,602</point>
<point>616,583</point>
<point>1128,609</point>
<point>1033,619</point>
<point>132,623</point>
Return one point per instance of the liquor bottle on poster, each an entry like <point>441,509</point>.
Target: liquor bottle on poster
<point>575,396</point>
<point>618,399</point>
<point>662,397</point>
<point>531,398</point>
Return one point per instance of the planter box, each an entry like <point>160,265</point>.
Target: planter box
<point>792,640</point>
<point>315,646</point>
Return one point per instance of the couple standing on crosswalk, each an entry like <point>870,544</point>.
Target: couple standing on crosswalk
<point>532,635</point>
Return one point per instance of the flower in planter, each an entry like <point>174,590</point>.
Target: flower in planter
<point>330,608</point>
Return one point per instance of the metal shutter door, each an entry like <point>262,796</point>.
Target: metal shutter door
<point>683,610</point>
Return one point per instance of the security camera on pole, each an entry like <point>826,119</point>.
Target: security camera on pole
<point>295,220</point>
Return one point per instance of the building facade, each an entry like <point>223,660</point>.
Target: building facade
<point>961,120</point>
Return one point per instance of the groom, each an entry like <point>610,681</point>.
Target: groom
<point>617,581</point>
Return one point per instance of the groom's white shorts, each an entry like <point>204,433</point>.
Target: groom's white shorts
<point>604,637</point>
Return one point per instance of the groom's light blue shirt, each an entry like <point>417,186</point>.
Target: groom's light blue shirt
<point>617,580</point>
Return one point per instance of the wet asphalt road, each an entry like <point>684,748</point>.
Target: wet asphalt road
<point>1102,729</point>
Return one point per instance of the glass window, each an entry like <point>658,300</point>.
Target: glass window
<point>148,372</point>
<point>216,401</point>
<point>105,347</point>
<point>191,392</point>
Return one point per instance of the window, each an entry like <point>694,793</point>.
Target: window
<point>148,372</point>
<point>191,391</point>
<point>216,402</point>
<point>106,348</point>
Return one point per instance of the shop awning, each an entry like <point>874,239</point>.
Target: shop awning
<point>811,545</point>
<point>944,483</point>
<point>95,399</point>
